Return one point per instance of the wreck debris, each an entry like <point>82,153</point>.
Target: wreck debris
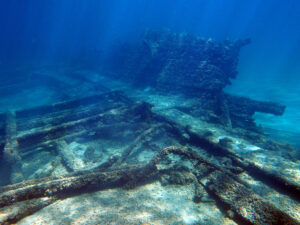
<point>242,109</point>
<point>71,162</point>
<point>186,64</point>
<point>115,109</point>
<point>168,59</point>
<point>66,185</point>
<point>50,127</point>
<point>71,117</point>
<point>236,196</point>
<point>43,124</point>
<point>41,127</point>
<point>112,118</point>
<point>16,212</point>
<point>244,206</point>
<point>138,142</point>
<point>10,152</point>
<point>280,183</point>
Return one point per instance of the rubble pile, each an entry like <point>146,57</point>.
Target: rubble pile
<point>190,65</point>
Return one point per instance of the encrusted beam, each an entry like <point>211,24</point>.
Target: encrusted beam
<point>245,205</point>
<point>241,204</point>
<point>10,152</point>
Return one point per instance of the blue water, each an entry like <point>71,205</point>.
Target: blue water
<point>60,30</point>
<point>36,33</point>
<point>56,50</point>
<point>40,33</point>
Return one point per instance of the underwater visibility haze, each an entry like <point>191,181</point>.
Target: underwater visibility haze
<point>149,112</point>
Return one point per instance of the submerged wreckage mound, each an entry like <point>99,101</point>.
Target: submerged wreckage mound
<point>179,61</point>
<point>104,158</point>
<point>107,156</point>
<point>190,65</point>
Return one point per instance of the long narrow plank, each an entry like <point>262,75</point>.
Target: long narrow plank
<point>279,183</point>
<point>42,110</point>
<point>10,151</point>
<point>198,137</point>
<point>34,138</point>
<point>243,205</point>
<point>123,114</point>
<point>12,214</point>
<point>64,116</point>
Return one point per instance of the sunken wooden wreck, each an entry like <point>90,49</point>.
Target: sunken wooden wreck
<point>113,115</point>
<point>183,63</point>
<point>47,153</point>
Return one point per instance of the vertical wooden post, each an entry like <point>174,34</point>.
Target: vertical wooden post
<point>11,154</point>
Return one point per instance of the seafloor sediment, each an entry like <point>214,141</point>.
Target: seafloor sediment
<point>101,154</point>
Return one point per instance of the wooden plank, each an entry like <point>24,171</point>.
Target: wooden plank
<point>31,139</point>
<point>40,111</point>
<point>277,182</point>
<point>10,151</point>
<point>64,116</point>
<point>245,207</point>
<point>241,204</point>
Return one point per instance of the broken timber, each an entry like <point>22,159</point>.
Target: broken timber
<point>277,182</point>
<point>10,152</point>
<point>75,118</point>
<point>246,206</point>
<point>45,124</point>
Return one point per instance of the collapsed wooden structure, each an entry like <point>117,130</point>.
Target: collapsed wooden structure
<point>29,131</point>
<point>188,64</point>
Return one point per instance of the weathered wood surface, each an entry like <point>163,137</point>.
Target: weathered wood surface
<point>224,187</point>
<point>100,111</point>
<point>182,63</point>
<point>53,115</point>
<point>114,96</point>
<point>11,152</point>
<point>48,123</point>
<point>16,212</point>
<point>113,109</point>
<point>202,138</point>
<point>276,181</point>
<point>242,204</point>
